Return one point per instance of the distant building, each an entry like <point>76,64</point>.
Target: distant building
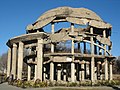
<point>77,53</point>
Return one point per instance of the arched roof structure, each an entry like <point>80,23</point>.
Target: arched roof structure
<point>81,16</point>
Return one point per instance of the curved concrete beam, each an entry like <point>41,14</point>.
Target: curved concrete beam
<point>74,15</point>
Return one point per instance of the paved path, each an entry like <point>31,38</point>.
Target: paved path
<point>5,86</point>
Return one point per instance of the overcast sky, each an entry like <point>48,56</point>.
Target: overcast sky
<point>15,15</point>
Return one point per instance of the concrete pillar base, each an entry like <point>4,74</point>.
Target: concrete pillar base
<point>51,71</point>
<point>72,72</point>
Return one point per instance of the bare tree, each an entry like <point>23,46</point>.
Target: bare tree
<point>116,66</point>
<point>3,62</point>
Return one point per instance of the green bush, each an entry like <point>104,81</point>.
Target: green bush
<point>19,83</point>
<point>85,83</point>
<point>38,83</point>
<point>31,83</point>
<point>107,83</point>
<point>115,82</point>
<point>3,77</point>
<point>98,83</point>
<point>52,83</point>
<point>72,84</point>
<point>43,84</point>
<point>61,83</point>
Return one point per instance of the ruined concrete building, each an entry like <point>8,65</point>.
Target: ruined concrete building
<point>77,48</point>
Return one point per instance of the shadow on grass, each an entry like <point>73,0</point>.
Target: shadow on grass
<point>115,87</point>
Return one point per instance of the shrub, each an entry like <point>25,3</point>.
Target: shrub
<point>51,83</point>
<point>19,83</point>
<point>31,83</point>
<point>37,83</point>
<point>14,82</point>
<point>114,82</point>
<point>43,84</point>
<point>61,83</point>
<point>85,83</point>
<point>71,84</point>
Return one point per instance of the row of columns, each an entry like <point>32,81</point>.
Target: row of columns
<point>72,64</point>
<point>39,66</point>
<point>83,72</point>
<point>15,61</point>
<point>85,67</point>
<point>12,59</point>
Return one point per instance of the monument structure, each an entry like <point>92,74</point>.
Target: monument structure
<point>80,52</point>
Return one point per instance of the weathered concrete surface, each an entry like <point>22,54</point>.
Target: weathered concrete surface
<point>73,15</point>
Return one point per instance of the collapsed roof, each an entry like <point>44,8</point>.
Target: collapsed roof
<point>80,16</point>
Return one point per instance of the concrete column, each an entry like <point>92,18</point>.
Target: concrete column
<point>104,35</point>
<point>101,77</point>
<point>29,73</point>
<point>44,76</point>
<point>14,60</point>
<point>35,77</point>
<point>92,58</point>
<point>83,70</point>
<point>101,72</point>
<point>52,48</point>
<point>59,72</point>
<point>72,51</point>
<point>111,77</point>
<point>53,28</point>
<point>87,69</point>
<point>40,59</point>
<point>92,46</point>
<point>52,51</point>
<point>9,62</point>
<point>80,76</point>
<point>51,71</point>
<point>52,31</point>
<point>98,70</point>
<point>20,60</point>
<point>75,75</point>
<point>72,48</point>
<point>72,72</point>
<point>92,69</point>
<point>64,77</point>
<point>72,30</point>
<point>106,69</point>
<point>95,76</point>
<point>109,47</point>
